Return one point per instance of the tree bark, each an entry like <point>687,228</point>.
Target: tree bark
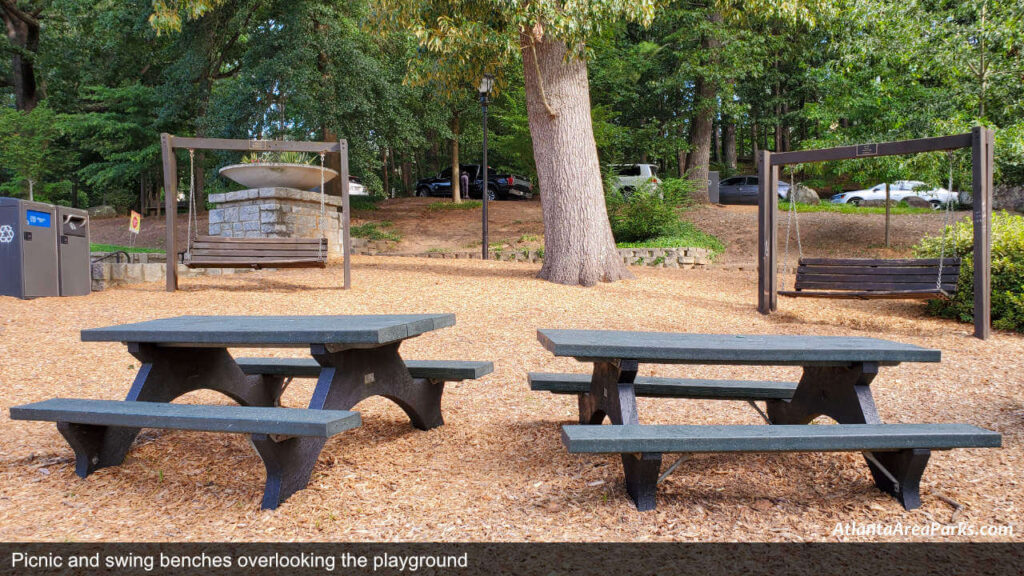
<point>456,171</point>
<point>729,143</point>
<point>22,28</point>
<point>701,127</point>
<point>578,245</point>
<point>384,162</point>
<point>700,140</point>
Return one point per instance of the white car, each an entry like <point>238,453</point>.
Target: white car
<point>629,177</point>
<point>898,191</point>
<point>355,187</point>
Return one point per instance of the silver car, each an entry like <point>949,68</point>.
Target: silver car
<point>744,190</point>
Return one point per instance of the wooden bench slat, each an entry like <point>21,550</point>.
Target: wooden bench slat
<point>301,252</point>
<point>878,271</point>
<point>249,263</point>
<point>448,370</point>
<point>230,240</point>
<point>776,438</point>
<point>879,278</point>
<point>871,286</point>
<point>652,387</point>
<point>896,262</point>
<point>879,295</point>
<point>199,417</point>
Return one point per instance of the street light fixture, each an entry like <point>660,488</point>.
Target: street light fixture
<point>486,83</point>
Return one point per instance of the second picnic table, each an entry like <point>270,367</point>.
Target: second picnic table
<point>837,374</point>
<point>353,358</point>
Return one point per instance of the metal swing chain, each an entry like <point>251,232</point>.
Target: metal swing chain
<point>945,229</point>
<point>789,224</point>
<point>191,202</point>
<point>323,211</point>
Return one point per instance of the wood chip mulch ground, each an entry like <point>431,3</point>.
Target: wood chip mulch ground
<point>497,470</point>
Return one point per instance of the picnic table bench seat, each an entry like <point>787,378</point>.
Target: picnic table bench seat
<point>277,433</point>
<point>898,452</point>
<point>257,253</point>
<point>654,387</point>
<point>440,370</point>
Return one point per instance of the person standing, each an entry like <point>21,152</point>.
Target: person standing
<point>464,185</point>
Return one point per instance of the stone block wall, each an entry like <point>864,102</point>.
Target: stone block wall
<point>143,268</point>
<point>276,213</point>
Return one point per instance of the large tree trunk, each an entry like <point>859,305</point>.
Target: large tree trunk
<point>578,244</point>
<point>701,127</point>
<point>700,139</point>
<point>456,170</point>
<point>729,143</point>
<point>22,28</point>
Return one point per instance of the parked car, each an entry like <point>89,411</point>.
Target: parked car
<point>355,187</point>
<point>744,190</point>
<point>499,186</point>
<point>898,191</point>
<point>629,177</point>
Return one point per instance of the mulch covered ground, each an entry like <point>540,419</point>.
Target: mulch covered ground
<point>497,469</point>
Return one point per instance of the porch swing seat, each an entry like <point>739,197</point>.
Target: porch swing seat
<point>868,279</point>
<point>256,253</point>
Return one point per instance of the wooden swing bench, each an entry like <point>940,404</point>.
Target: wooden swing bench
<point>256,253</point>
<point>868,279</point>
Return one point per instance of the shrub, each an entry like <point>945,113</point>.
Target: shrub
<point>1007,271</point>
<point>645,214</point>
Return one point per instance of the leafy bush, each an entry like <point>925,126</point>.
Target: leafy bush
<point>1007,271</point>
<point>648,212</point>
<point>371,231</point>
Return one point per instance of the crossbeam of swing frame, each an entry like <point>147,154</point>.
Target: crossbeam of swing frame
<point>169,143</point>
<point>980,140</point>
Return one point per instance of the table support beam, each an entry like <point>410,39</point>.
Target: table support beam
<point>612,395</point>
<point>844,395</point>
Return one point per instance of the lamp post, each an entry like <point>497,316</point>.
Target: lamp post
<point>486,83</point>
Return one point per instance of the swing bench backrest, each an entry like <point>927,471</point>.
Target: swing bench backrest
<point>869,279</point>
<point>221,252</point>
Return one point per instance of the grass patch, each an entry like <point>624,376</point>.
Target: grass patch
<point>686,235</point>
<point>364,202</point>
<point>373,231</point>
<point>827,206</point>
<point>130,249</point>
<point>528,238</point>
<point>449,205</point>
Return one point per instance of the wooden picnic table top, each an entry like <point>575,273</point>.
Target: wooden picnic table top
<point>746,349</point>
<point>272,331</point>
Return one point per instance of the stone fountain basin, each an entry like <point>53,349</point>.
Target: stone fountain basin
<point>277,175</point>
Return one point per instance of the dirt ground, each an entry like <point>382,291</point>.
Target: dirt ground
<point>497,470</point>
<point>520,224</point>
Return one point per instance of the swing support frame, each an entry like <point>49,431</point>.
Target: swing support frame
<point>337,156</point>
<point>980,140</point>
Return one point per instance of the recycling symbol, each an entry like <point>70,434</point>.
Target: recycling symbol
<point>6,234</point>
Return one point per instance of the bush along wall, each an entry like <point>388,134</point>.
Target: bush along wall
<point>1007,271</point>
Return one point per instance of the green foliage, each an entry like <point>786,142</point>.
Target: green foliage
<point>118,248</point>
<point>373,231</point>
<point>826,206</point>
<point>29,150</point>
<point>1007,270</point>
<point>449,205</point>
<point>286,157</point>
<point>364,202</point>
<point>644,215</point>
<point>683,235</point>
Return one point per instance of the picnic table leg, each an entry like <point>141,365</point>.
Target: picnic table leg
<point>166,374</point>
<point>612,395</point>
<point>844,395</point>
<point>350,376</point>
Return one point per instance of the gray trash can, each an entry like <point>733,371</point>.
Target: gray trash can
<point>73,252</point>
<point>713,187</point>
<point>28,249</point>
